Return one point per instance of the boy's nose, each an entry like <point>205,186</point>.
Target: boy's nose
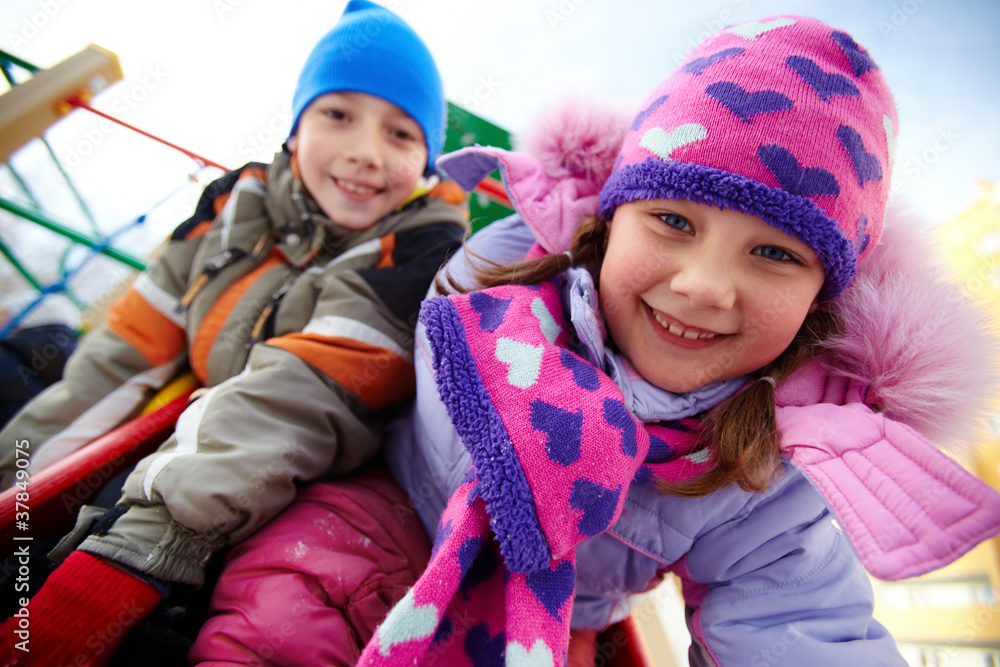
<point>363,147</point>
<point>706,281</point>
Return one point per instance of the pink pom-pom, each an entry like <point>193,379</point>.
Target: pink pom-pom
<point>577,139</point>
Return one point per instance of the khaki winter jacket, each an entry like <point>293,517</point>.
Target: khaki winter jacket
<point>300,330</point>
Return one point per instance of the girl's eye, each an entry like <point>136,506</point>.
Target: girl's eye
<point>775,253</point>
<point>675,221</point>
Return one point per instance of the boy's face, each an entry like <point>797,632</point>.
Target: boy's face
<point>359,156</point>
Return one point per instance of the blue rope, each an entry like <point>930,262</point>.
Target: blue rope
<point>11,325</point>
<point>61,285</point>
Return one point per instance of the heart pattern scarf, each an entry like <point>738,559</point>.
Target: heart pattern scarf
<point>554,451</point>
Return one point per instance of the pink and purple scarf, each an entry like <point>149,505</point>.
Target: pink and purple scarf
<point>554,451</point>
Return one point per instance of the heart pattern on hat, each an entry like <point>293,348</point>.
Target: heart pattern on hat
<point>698,65</point>
<point>749,122</point>
<point>863,238</point>
<point>662,144</point>
<point>753,29</point>
<point>865,164</point>
<point>793,177</point>
<point>747,105</point>
<point>890,139</point>
<point>861,61</point>
<point>644,114</point>
<point>826,84</point>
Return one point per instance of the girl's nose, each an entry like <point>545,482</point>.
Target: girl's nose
<point>707,281</point>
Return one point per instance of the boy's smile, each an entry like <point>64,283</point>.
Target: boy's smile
<point>359,156</point>
<point>694,294</point>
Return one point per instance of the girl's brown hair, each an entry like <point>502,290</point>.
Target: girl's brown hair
<point>740,433</point>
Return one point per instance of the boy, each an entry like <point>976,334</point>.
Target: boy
<point>292,294</point>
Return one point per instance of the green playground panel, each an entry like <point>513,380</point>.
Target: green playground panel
<point>467,129</point>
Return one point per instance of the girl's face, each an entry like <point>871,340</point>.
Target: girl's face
<point>359,156</point>
<point>694,294</point>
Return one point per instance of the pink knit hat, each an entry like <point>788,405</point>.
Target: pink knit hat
<point>786,119</point>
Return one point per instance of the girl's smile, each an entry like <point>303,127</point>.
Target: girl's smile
<point>678,330</point>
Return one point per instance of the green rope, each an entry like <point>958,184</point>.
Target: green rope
<point>6,252</point>
<point>24,186</point>
<point>72,188</point>
<point>11,58</point>
<point>72,234</point>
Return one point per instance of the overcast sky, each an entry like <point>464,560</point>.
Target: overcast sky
<point>217,76</point>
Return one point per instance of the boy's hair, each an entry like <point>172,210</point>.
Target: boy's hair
<point>373,51</point>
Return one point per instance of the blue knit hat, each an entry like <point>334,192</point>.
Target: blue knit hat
<point>373,51</point>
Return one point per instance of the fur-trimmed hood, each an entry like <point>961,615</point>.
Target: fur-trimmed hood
<point>926,352</point>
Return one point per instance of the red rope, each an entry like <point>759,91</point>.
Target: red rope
<point>490,187</point>
<point>80,104</point>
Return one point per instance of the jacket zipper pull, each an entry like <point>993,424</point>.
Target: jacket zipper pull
<point>262,243</point>
<point>212,268</point>
<point>266,312</point>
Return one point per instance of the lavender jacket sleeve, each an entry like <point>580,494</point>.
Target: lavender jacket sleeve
<point>767,578</point>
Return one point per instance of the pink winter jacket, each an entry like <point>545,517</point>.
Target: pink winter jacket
<point>312,585</point>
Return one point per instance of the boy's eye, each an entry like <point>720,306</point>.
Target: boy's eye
<point>335,114</point>
<point>775,253</point>
<point>405,134</point>
<point>675,221</point>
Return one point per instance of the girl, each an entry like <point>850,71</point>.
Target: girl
<point>665,384</point>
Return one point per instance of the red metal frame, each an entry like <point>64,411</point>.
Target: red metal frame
<point>57,492</point>
<point>622,645</point>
